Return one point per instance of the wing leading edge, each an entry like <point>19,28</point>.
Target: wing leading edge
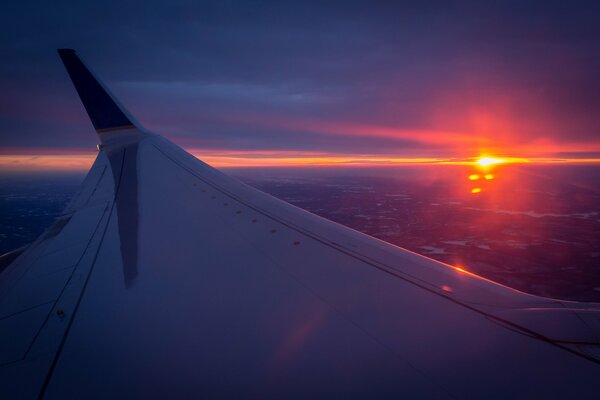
<point>166,277</point>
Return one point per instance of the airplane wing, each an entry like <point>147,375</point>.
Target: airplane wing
<point>165,278</point>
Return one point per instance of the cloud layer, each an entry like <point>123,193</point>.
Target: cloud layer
<point>431,79</point>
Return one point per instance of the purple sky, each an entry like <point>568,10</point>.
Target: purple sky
<point>412,79</point>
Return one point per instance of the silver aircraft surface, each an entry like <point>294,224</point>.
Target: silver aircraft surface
<point>165,278</point>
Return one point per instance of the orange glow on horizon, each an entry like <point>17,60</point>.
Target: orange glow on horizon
<point>259,158</point>
<point>80,160</point>
<point>46,162</point>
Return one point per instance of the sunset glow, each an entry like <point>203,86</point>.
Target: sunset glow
<point>240,108</point>
<point>46,162</point>
<point>79,160</point>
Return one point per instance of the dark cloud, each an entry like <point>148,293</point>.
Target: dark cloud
<point>522,70</point>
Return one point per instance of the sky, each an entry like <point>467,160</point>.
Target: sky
<point>309,82</point>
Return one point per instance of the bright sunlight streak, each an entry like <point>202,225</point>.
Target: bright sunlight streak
<point>487,161</point>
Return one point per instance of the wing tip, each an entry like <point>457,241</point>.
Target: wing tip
<point>104,110</point>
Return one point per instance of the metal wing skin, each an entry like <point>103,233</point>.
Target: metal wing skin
<point>166,278</point>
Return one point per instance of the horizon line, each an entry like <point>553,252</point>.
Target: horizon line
<point>60,160</point>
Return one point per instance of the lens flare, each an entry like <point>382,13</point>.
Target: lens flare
<point>476,190</point>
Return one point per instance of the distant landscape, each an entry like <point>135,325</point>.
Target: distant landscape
<point>536,229</point>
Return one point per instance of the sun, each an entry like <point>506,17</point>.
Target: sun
<point>487,161</point>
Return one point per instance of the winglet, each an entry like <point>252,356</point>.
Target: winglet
<point>105,111</point>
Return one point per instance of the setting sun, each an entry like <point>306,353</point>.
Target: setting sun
<point>487,161</point>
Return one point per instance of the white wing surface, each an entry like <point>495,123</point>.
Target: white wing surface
<point>167,279</point>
